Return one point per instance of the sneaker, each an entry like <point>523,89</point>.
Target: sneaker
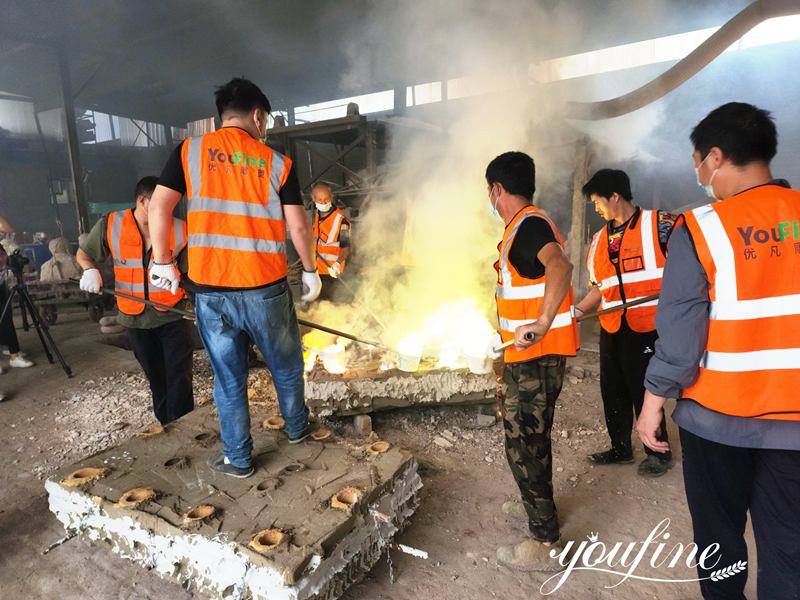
<point>655,465</point>
<point>514,508</point>
<point>310,428</point>
<point>20,362</point>
<point>611,457</point>
<point>219,462</point>
<point>2,396</point>
<point>531,555</point>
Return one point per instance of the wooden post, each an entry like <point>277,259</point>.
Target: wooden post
<point>577,231</point>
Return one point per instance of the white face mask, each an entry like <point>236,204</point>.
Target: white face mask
<point>707,188</point>
<point>323,208</point>
<point>493,206</point>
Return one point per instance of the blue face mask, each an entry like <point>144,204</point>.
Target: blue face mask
<point>493,208</point>
<point>707,188</point>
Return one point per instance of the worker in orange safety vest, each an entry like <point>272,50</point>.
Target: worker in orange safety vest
<point>331,237</point>
<point>534,300</point>
<point>242,197</point>
<point>162,341</point>
<point>729,350</point>
<point>625,261</point>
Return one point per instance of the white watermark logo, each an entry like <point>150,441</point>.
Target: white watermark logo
<point>623,560</point>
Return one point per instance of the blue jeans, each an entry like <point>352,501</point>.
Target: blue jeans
<point>227,321</point>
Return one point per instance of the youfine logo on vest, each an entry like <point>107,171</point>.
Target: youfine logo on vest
<point>779,233</point>
<point>236,159</point>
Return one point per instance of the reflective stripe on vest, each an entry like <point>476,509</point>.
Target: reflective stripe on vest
<point>519,300</point>
<point>639,237</point>
<point>236,228</point>
<point>126,246</point>
<point>328,246</point>
<point>751,363</point>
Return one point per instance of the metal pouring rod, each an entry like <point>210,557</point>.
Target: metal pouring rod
<point>616,308</point>
<point>341,334</point>
<point>191,317</point>
<point>594,315</point>
<point>354,295</point>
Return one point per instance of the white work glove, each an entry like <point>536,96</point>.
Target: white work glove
<point>166,277</point>
<point>494,342</point>
<point>312,285</point>
<point>91,281</point>
<point>335,270</point>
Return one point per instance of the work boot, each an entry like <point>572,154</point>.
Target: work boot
<point>611,457</point>
<point>530,555</point>
<point>219,462</point>
<point>515,508</point>
<point>655,465</point>
<point>310,428</point>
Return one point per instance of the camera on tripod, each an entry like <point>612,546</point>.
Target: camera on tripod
<point>16,262</point>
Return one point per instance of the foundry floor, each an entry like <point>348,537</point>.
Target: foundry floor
<point>49,421</point>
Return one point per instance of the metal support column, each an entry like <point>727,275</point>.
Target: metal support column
<point>73,145</point>
<point>577,231</point>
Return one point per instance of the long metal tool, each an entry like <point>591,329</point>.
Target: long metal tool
<point>191,317</point>
<point>594,315</point>
<point>354,295</point>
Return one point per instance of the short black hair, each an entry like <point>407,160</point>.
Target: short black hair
<point>240,96</point>
<point>607,181</point>
<point>515,171</point>
<point>743,132</point>
<point>145,186</point>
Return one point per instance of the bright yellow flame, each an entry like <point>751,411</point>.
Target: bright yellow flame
<point>317,340</point>
<point>412,344</point>
<point>334,358</point>
<point>456,331</point>
<point>309,358</point>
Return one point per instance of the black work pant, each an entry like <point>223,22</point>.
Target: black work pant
<point>722,484</point>
<point>8,335</point>
<point>624,357</point>
<point>165,354</point>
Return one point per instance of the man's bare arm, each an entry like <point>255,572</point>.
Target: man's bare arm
<point>84,260</point>
<point>300,232</point>
<point>557,281</point>
<point>590,301</point>
<point>162,204</point>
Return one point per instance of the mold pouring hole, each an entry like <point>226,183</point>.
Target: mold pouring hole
<point>345,498</point>
<point>198,513</point>
<point>177,462</point>
<point>267,539</point>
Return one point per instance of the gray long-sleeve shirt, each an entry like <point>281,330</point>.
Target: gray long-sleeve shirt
<point>682,323</point>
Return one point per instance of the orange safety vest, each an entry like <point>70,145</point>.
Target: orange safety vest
<point>749,247</point>
<point>519,300</point>
<point>126,245</point>
<point>641,267</point>
<point>326,234</point>
<point>237,233</point>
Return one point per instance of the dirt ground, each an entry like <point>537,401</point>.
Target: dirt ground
<point>49,421</point>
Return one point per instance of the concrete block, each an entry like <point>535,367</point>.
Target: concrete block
<point>312,520</point>
<point>357,392</point>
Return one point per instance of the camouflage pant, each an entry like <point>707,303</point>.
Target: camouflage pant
<point>530,391</point>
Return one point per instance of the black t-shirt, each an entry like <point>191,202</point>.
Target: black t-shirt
<point>174,178</point>
<point>533,235</point>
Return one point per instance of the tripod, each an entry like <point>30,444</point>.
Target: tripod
<point>26,306</point>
